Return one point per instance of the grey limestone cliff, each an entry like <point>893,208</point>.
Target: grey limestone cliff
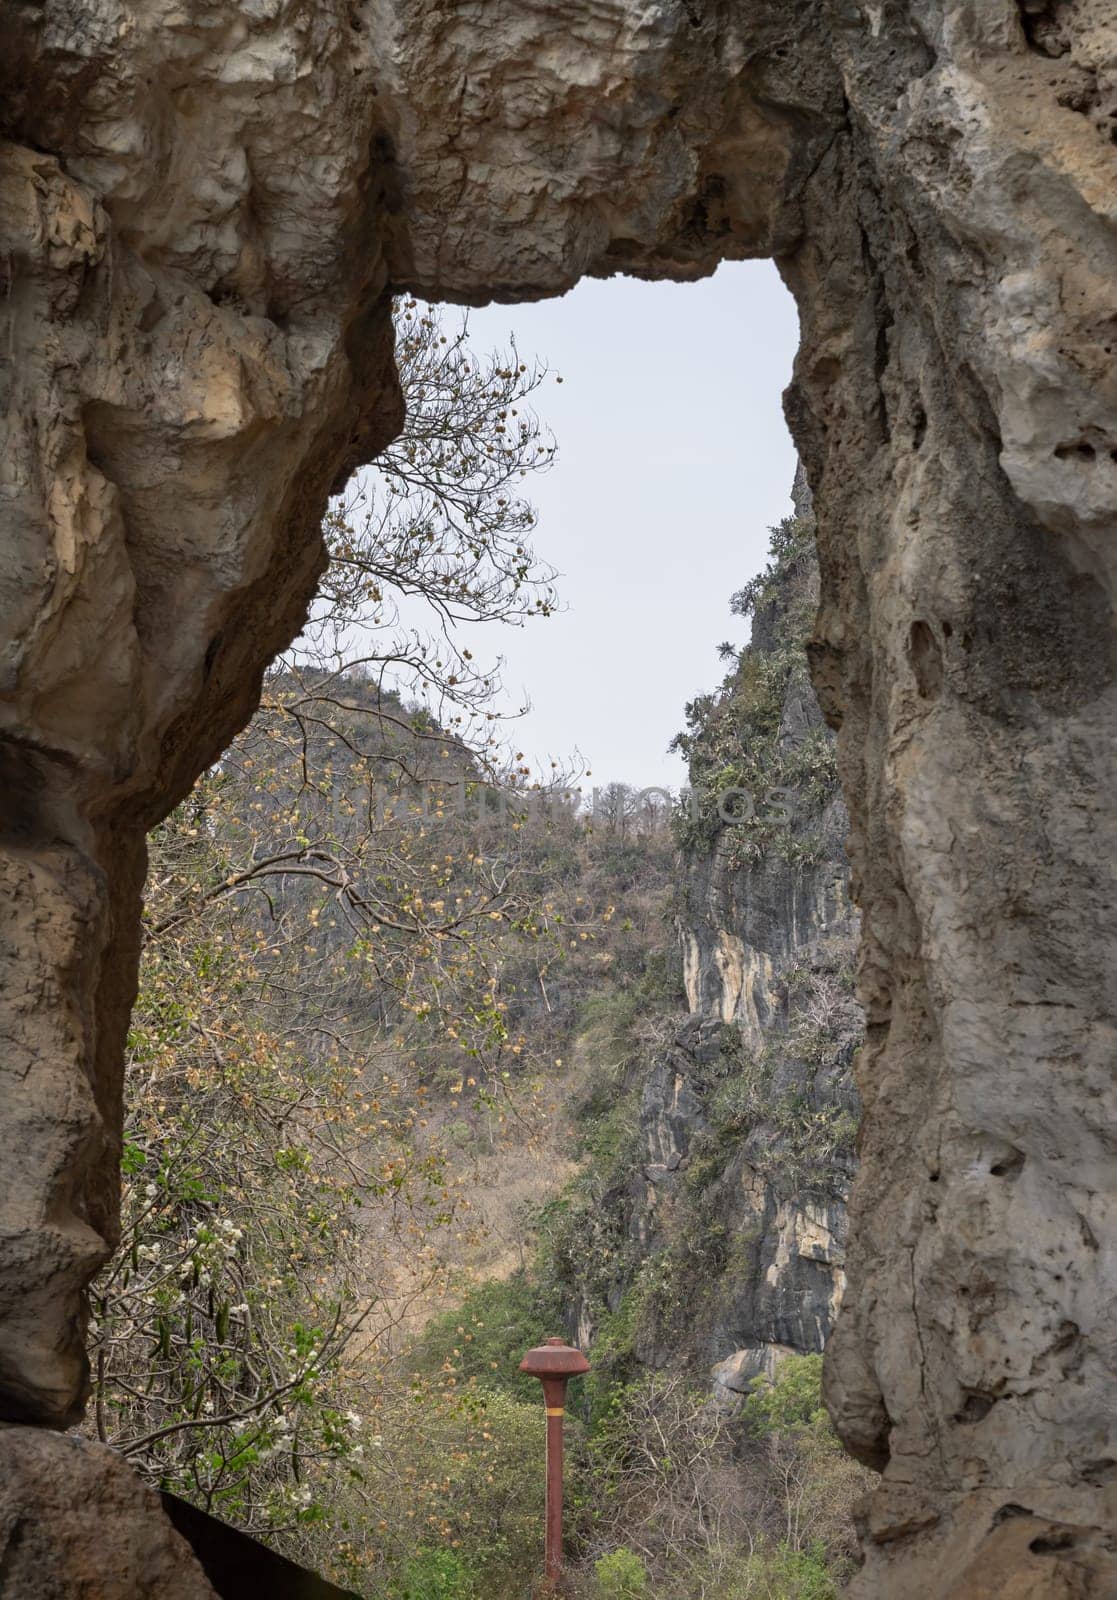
<point>748,1112</point>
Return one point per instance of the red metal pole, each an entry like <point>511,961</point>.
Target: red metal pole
<point>554,1364</point>
<point>553,1563</point>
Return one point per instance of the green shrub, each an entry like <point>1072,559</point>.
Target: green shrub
<point>614,1357</point>
<point>805,1574</point>
<point>607,1016</point>
<point>791,1402</point>
<point>621,1575</point>
<point>467,1487</point>
<point>484,1340</point>
<point>782,1574</point>
<point>437,1575</point>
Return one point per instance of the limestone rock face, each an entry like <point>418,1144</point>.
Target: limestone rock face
<point>748,1113</point>
<point>956,403</point>
<point>780,1289</point>
<point>197,344</point>
<point>543,141</point>
<point>75,1524</point>
<point>203,207</point>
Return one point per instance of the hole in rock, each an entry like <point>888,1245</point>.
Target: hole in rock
<point>1008,1166</point>
<point>1043,25</point>
<point>1053,1543</point>
<point>925,654</point>
<point>1008,1513</point>
<point>1089,1237</point>
<point>975,1408</point>
<point>393,1011</point>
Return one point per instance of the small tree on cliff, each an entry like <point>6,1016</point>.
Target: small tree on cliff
<point>436,536</point>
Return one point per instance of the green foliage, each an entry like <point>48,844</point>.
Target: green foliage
<point>780,1572</point>
<point>733,739</point>
<point>621,1575</point>
<point>791,545</point>
<point>460,1499</point>
<point>614,1354</point>
<point>791,1402</point>
<point>606,1023</point>
<point>436,1575</point>
<point>742,1097</point>
<point>248,1155</point>
<point>585,1250</point>
<point>666,1466</point>
<point>780,1099</point>
<point>661,984</point>
<point>483,1341</point>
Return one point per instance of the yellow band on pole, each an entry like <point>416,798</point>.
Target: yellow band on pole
<point>556,1411</point>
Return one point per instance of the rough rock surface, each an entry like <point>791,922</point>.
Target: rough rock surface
<point>75,1524</point>
<point>767,934</point>
<point>194,303</point>
<point>780,1288</point>
<point>203,207</point>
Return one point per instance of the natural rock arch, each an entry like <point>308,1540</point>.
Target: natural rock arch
<point>205,210</point>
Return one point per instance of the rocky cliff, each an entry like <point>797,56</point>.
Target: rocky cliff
<point>205,207</point>
<point>736,1204</point>
<point>768,934</point>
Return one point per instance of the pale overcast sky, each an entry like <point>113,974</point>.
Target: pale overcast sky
<point>673,459</point>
